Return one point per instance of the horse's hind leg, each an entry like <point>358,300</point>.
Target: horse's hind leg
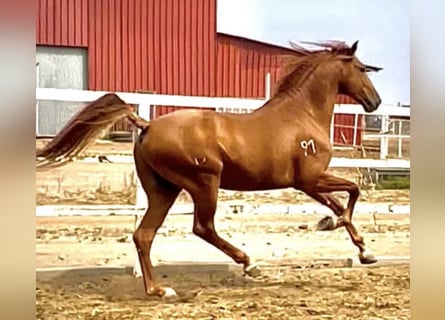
<point>205,199</point>
<point>144,235</point>
<point>161,196</point>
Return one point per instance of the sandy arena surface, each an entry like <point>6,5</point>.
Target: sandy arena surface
<point>285,292</point>
<point>294,286</point>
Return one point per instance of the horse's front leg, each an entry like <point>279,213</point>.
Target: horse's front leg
<point>327,183</point>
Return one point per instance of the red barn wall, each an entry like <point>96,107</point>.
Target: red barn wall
<point>162,46</point>
<point>62,23</point>
<point>242,65</point>
<point>165,46</point>
<point>241,68</point>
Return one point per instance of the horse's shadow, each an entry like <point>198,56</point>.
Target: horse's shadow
<point>119,284</point>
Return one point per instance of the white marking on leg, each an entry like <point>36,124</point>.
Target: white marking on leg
<point>253,270</point>
<point>252,267</point>
<point>169,292</point>
<point>367,254</point>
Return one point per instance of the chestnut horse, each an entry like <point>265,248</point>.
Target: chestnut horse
<point>285,143</point>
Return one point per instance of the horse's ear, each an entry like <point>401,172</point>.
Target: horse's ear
<point>353,48</point>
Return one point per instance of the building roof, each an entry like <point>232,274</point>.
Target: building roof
<point>256,41</point>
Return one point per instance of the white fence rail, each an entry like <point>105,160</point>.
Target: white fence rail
<point>70,95</point>
<point>236,105</point>
<point>239,105</point>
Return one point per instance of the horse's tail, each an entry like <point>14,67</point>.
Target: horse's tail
<point>84,128</point>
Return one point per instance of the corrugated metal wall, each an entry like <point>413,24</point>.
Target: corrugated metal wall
<point>62,22</point>
<point>242,65</point>
<point>240,70</point>
<point>163,46</point>
<point>166,46</point>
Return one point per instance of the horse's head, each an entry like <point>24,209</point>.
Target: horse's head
<point>354,80</point>
<point>352,75</point>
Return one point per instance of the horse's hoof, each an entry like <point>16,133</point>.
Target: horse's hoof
<point>253,270</point>
<point>169,293</point>
<point>366,257</point>
<point>326,224</point>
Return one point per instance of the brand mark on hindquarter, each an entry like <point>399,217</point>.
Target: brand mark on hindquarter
<point>200,161</point>
<point>306,144</point>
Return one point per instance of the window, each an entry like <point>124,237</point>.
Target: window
<point>63,68</point>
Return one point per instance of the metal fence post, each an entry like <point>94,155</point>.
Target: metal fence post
<point>332,128</point>
<point>354,137</point>
<point>37,101</point>
<point>144,111</point>
<point>384,137</point>
<point>400,139</point>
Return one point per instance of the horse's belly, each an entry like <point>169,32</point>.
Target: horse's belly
<point>260,178</point>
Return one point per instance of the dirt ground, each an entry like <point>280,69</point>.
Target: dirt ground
<point>292,292</point>
<point>362,293</point>
<point>290,289</point>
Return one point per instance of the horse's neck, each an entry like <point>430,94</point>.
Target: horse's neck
<point>314,101</point>
<point>322,108</point>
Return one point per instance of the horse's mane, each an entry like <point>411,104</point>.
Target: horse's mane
<point>333,46</point>
<point>299,65</point>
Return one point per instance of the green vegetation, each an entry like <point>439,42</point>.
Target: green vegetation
<point>393,182</point>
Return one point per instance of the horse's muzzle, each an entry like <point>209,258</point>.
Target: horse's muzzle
<point>370,104</point>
